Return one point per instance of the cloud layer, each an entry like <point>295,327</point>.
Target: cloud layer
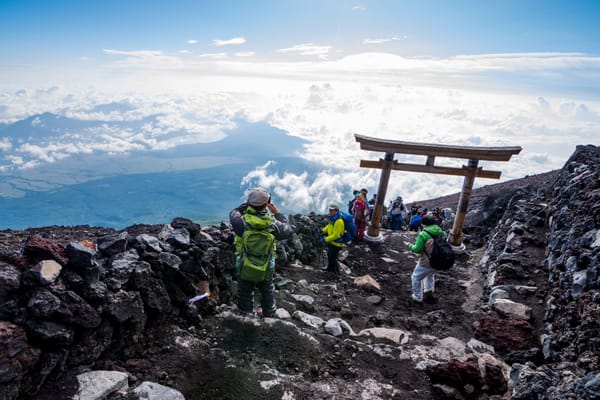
<point>150,100</point>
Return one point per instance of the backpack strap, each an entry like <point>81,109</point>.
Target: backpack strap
<point>432,236</point>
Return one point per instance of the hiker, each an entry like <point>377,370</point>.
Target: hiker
<point>395,213</point>
<point>332,238</point>
<point>355,194</point>
<point>360,212</point>
<point>414,209</point>
<point>423,276</point>
<point>415,223</point>
<point>372,206</point>
<point>256,234</point>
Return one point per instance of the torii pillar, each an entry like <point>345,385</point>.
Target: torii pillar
<point>470,172</point>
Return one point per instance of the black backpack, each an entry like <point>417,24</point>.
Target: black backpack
<point>442,256</point>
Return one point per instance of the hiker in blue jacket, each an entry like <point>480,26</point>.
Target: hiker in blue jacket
<point>415,223</point>
<point>332,237</point>
<point>254,214</point>
<point>423,276</point>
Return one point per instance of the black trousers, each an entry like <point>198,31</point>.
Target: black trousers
<point>332,262</point>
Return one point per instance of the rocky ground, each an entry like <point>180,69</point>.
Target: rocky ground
<point>356,336</point>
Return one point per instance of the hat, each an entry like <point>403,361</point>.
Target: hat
<point>258,197</point>
<point>398,197</point>
<point>365,191</point>
<point>334,206</point>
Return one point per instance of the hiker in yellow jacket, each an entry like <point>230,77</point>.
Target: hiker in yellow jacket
<point>332,237</point>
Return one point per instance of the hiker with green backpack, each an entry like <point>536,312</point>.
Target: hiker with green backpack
<point>256,235</point>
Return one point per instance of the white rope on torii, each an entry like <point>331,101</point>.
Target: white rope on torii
<point>431,151</point>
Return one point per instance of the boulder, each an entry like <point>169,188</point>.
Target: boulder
<point>43,273</point>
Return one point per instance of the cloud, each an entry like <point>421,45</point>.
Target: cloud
<point>305,193</point>
<point>144,59</point>
<point>244,54</point>
<point>475,100</point>
<point>359,8</point>
<point>134,53</point>
<point>213,55</point>
<point>5,144</point>
<point>384,40</point>
<point>308,49</point>
<point>192,41</point>
<point>228,42</point>
<point>16,160</point>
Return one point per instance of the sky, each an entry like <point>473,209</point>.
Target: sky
<point>476,73</point>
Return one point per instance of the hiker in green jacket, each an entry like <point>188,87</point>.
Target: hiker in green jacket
<point>423,276</point>
<point>256,234</point>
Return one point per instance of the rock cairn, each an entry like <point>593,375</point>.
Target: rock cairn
<point>63,305</point>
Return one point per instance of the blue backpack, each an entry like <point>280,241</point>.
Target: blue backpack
<point>349,228</point>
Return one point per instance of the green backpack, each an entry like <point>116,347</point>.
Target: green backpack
<point>256,249</point>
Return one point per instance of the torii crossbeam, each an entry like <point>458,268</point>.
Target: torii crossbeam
<point>431,151</point>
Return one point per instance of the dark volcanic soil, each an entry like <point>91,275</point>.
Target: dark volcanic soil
<point>224,358</point>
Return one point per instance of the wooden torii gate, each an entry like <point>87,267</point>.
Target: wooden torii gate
<point>469,171</point>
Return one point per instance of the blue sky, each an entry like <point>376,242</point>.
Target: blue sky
<point>64,31</point>
<point>480,73</point>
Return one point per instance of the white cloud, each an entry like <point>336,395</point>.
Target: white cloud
<point>446,100</point>
<point>16,160</point>
<point>192,41</point>
<point>384,40</point>
<point>308,49</point>
<point>144,59</point>
<point>185,52</point>
<point>134,53</point>
<point>359,8</point>
<point>213,55</point>
<point>5,144</point>
<point>244,54</point>
<point>228,42</point>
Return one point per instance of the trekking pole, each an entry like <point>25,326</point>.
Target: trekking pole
<point>320,248</point>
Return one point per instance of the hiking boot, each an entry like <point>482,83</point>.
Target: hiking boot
<point>416,300</point>
<point>269,314</point>
<point>429,298</point>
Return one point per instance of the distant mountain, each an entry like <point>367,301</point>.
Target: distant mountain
<point>199,181</point>
<point>480,195</point>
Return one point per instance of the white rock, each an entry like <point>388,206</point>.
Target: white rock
<point>96,385</point>
<point>512,309</point>
<point>282,313</point>
<point>310,320</point>
<point>154,391</point>
<point>396,335</point>
<point>480,347</point>
<point>48,271</point>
